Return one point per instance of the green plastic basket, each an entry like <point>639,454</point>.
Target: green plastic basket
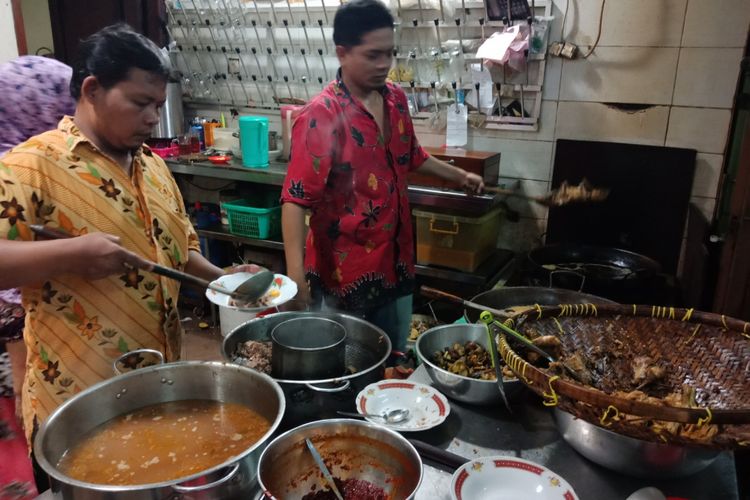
<point>247,218</point>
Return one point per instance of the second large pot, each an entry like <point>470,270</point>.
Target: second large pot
<point>365,351</point>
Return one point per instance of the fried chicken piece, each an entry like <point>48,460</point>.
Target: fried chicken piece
<point>646,371</point>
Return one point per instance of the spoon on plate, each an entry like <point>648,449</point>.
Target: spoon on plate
<point>391,417</point>
<point>249,290</point>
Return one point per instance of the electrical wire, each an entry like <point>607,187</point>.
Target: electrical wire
<point>565,16</point>
<point>598,34</point>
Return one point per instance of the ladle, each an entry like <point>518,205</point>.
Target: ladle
<point>322,466</point>
<point>249,290</point>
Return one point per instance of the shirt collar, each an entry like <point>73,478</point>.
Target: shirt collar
<point>341,86</point>
<point>74,136</point>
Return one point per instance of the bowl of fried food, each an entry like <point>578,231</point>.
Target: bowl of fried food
<point>458,361</point>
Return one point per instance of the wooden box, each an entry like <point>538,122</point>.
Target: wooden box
<point>482,163</point>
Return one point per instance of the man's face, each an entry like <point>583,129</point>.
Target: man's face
<point>126,112</point>
<point>368,63</point>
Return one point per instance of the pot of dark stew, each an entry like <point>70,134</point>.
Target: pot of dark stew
<point>190,429</point>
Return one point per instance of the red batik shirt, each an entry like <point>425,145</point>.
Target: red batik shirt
<point>353,178</point>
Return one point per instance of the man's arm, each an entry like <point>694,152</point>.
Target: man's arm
<point>467,180</point>
<point>293,231</point>
<point>93,256</point>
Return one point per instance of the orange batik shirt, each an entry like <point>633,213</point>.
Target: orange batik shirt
<point>76,328</point>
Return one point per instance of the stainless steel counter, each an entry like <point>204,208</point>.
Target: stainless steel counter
<point>530,433</point>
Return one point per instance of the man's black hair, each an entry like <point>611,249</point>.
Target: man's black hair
<point>110,53</point>
<point>359,17</point>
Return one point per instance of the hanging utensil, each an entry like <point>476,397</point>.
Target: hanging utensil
<point>437,34</point>
<point>415,24</point>
<point>442,12</point>
<point>460,35</point>
<point>307,66</point>
<point>257,61</point>
<point>322,36</point>
<point>273,90</point>
<point>322,466</point>
<point>249,290</point>
<point>323,62</point>
<point>289,62</point>
<point>257,36</point>
<point>257,87</point>
<point>288,87</point>
<point>307,38</point>
<point>288,34</point>
<point>307,16</point>
<point>307,92</point>
<point>273,62</point>
<point>270,32</point>
<point>289,7</point>
<point>414,97</point>
<point>421,11</point>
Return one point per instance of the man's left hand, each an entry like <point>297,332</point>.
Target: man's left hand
<point>472,183</point>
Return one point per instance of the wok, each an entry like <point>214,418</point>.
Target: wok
<point>513,296</point>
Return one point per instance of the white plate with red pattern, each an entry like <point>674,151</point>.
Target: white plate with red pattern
<point>427,407</point>
<point>282,290</point>
<point>508,478</point>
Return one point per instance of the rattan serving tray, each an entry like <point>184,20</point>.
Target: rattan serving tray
<point>702,398</point>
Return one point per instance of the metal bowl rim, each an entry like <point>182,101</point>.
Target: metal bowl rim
<point>309,349</point>
<point>441,370</point>
<point>56,474</point>
<point>322,424</point>
<point>383,337</point>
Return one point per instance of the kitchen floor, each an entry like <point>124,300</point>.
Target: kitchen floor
<point>199,343</point>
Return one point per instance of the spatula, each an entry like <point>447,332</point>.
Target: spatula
<point>249,290</point>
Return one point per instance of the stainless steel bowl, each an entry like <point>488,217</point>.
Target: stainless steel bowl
<point>465,389</point>
<point>350,448</point>
<point>626,455</point>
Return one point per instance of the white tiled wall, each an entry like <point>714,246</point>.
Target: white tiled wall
<point>680,56</point>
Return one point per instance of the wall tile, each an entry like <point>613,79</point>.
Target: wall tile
<point>641,75</point>
<point>707,174</point>
<point>626,23</point>
<point>599,122</point>
<point>526,208</point>
<point>707,77</point>
<point>716,23</point>
<point>521,236</point>
<point>705,205</point>
<point>702,129</point>
<point>552,73</point>
<point>519,159</point>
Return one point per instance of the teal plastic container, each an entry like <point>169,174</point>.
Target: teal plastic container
<point>254,141</point>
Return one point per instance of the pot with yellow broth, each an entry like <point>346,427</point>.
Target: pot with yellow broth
<point>188,428</point>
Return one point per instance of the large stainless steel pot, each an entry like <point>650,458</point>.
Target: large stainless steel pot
<point>225,382</point>
<point>365,351</point>
<point>626,455</point>
<point>351,448</point>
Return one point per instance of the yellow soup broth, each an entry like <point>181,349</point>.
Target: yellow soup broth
<point>163,442</point>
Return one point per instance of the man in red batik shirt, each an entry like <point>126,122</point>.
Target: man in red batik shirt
<point>352,148</point>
